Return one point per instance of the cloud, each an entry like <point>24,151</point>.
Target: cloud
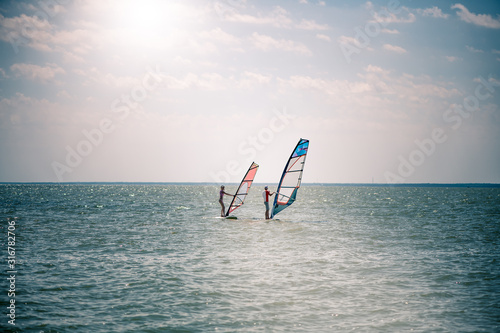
<point>433,12</point>
<point>278,17</point>
<point>375,69</point>
<point>473,50</point>
<point>251,80</point>
<point>205,81</point>
<point>64,94</point>
<point>323,37</point>
<point>94,76</point>
<point>351,41</point>
<point>25,30</point>
<point>394,48</point>
<point>204,45</point>
<point>482,20</point>
<point>21,109</point>
<point>266,43</point>
<point>46,10</point>
<point>42,74</point>
<point>376,89</point>
<point>220,36</point>
<point>496,52</point>
<point>387,17</point>
<point>391,32</point>
<point>81,39</point>
<point>311,25</point>
<point>41,35</point>
<point>216,82</point>
<point>452,58</point>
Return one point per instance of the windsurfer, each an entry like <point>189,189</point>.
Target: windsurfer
<point>266,194</point>
<point>221,201</point>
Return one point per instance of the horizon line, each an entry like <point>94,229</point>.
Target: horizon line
<point>429,184</point>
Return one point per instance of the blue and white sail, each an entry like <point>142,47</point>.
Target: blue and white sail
<point>291,178</point>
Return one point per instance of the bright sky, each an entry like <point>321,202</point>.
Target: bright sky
<point>194,91</point>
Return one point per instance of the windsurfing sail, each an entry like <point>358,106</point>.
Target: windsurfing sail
<point>291,178</point>
<point>243,189</point>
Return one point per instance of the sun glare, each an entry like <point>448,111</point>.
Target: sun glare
<point>145,21</point>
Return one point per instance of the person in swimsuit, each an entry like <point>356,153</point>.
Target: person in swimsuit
<point>266,194</point>
<point>221,201</point>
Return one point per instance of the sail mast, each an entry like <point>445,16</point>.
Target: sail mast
<point>242,191</point>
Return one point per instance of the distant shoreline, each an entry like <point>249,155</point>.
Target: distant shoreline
<point>461,185</point>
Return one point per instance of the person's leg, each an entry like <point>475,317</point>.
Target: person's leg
<point>222,210</point>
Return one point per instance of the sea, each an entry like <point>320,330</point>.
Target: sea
<point>158,258</point>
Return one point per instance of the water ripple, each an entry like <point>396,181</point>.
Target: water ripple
<point>118,258</point>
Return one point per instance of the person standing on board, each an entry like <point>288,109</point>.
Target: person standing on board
<point>266,194</point>
<point>221,201</point>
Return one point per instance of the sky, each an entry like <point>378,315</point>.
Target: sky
<point>194,91</point>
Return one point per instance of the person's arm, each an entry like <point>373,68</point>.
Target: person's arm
<point>229,194</point>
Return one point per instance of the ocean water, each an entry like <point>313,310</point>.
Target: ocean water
<point>155,258</point>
